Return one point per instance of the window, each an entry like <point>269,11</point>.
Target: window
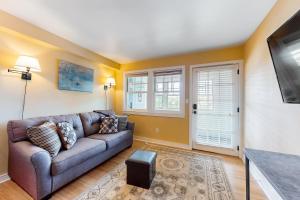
<point>167,90</point>
<point>157,91</point>
<point>137,88</point>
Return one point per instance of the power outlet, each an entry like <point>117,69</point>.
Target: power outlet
<point>156,130</point>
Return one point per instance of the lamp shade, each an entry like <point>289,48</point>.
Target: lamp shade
<point>24,62</point>
<point>110,81</point>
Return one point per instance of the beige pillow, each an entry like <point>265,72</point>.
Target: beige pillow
<point>46,137</point>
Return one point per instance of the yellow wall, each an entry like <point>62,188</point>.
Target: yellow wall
<point>171,129</point>
<point>43,96</point>
<point>269,124</point>
<point>263,104</point>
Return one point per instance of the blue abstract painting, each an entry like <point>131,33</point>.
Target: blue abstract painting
<point>75,77</point>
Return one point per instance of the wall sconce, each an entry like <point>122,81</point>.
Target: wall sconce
<point>110,82</point>
<point>24,65</point>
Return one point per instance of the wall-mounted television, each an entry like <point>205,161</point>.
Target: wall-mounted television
<point>284,45</point>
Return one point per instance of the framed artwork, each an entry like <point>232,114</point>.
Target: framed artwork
<point>74,77</point>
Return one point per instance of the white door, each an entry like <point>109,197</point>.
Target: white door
<point>215,109</point>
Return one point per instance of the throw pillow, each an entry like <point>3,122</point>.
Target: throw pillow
<point>109,125</point>
<point>122,122</point>
<point>67,134</point>
<point>45,136</point>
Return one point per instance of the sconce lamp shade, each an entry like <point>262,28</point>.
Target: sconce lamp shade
<point>110,82</point>
<point>25,62</point>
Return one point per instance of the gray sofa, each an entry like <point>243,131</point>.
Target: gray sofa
<point>32,168</point>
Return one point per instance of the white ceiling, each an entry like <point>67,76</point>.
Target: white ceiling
<point>130,30</point>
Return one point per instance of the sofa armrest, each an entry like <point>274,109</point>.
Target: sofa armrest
<point>130,126</point>
<point>29,166</point>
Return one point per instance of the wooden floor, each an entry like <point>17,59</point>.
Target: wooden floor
<point>233,167</point>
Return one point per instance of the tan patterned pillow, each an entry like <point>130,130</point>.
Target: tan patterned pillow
<point>46,137</point>
<point>67,134</point>
<point>109,125</point>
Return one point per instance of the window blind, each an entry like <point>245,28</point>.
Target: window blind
<point>167,90</point>
<point>215,98</point>
<point>137,87</point>
<point>168,72</point>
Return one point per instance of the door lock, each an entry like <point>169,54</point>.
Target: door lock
<point>195,106</point>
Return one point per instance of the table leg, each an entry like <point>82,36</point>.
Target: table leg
<point>247,178</point>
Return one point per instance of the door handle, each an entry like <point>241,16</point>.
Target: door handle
<point>195,106</point>
<point>195,112</point>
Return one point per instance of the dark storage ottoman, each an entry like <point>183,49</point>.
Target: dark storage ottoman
<point>141,168</point>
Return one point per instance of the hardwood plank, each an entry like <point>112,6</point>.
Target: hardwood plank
<point>233,166</point>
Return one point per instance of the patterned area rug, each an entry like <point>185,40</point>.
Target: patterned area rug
<point>180,175</point>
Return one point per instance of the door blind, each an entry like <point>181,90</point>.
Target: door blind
<point>215,98</point>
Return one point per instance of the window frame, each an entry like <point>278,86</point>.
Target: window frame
<point>126,88</point>
<point>151,93</point>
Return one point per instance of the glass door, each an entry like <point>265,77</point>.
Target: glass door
<point>215,111</point>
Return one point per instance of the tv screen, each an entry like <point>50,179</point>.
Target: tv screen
<point>284,45</point>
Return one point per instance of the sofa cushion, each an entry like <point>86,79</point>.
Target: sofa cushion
<point>114,139</point>
<point>82,150</point>
<point>91,122</point>
<point>16,129</point>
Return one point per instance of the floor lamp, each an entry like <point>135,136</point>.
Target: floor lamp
<point>24,66</point>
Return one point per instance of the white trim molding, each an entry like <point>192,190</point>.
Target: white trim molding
<point>261,180</point>
<point>4,178</point>
<point>162,142</point>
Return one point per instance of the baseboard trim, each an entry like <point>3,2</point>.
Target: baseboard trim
<point>162,142</point>
<point>261,180</point>
<point>4,178</point>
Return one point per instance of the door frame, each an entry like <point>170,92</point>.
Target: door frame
<point>240,102</point>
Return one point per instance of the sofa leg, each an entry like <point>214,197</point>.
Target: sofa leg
<point>47,197</point>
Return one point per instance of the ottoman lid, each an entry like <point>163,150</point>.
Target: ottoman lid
<point>140,156</point>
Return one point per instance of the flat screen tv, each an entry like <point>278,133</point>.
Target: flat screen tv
<point>284,45</point>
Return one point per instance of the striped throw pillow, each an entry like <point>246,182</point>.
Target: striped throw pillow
<point>46,137</point>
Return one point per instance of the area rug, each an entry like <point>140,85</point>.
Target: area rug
<point>180,175</point>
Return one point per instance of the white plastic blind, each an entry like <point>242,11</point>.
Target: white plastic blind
<point>137,88</point>
<point>167,90</point>
<point>215,96</point>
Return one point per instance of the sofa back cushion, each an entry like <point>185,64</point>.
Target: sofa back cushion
<point>91,121</point>
<point>17,129</point>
